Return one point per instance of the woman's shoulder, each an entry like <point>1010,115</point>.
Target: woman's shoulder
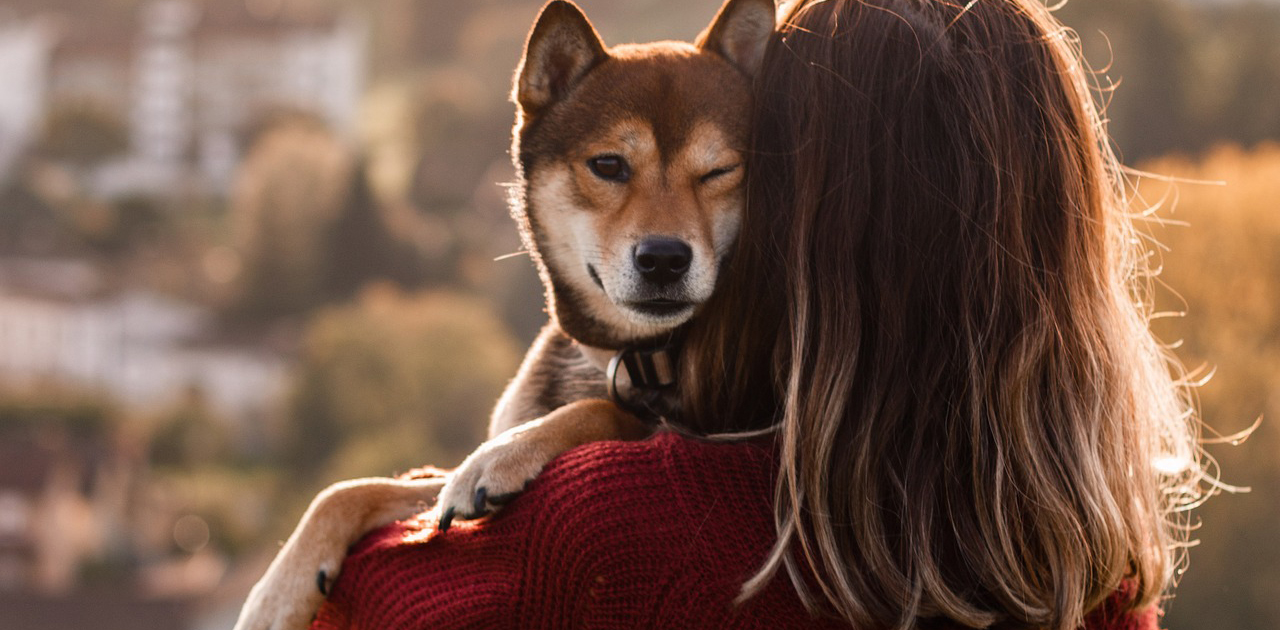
<point>657,533</point>
<point>694,517</point>
<point>668,530</point>
<point>673,500</point>
<point>666,464</point>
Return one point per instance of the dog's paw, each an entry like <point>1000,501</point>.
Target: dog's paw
<point>493,475</point>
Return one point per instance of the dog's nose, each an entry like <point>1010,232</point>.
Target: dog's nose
<point>662,260</point>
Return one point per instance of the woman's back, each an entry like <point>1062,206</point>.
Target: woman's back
<point>654,534</point>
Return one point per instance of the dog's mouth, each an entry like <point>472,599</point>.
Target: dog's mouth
<point>661,308</point>
<point>667,309</point>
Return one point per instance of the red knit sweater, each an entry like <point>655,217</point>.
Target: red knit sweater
<point>655,534</point>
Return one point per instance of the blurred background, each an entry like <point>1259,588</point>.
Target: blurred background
<point>247,248</point>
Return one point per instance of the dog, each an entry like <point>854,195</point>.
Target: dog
<point>628,197</point>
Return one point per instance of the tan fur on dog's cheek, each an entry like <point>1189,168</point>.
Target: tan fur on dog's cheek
<point>560,222</point>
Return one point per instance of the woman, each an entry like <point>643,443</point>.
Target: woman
<point>969,405</point>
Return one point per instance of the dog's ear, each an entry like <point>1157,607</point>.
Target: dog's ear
<point>739,32</point>
<point>561,48</point>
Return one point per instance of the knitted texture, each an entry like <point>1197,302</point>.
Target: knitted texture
<point>653,534</point>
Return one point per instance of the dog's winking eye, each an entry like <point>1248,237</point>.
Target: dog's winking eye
<point>610,167</point>
<point>718,172</point>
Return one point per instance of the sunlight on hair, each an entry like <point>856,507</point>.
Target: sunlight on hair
<point>1234,439</point>
<point>1171,464</point>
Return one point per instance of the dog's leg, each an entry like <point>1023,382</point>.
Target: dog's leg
<point>500,468</point>
<point>288,595</point>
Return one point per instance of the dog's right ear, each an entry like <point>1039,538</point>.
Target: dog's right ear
<point>739,33</point>
<point>560,50</point>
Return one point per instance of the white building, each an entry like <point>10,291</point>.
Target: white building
<point>245,69</point>
<point>140,348</point>
<point>204,74</point>
<point>25,47</point>
<point>190,80</point>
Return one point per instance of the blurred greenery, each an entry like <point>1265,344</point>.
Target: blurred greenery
<point>83,133</point>
<point>394,381</point>
<point>1187,76</point>
<point>289,189</point>
<point>48,408</point>
<point>311,229</point>
<point>189,435</point>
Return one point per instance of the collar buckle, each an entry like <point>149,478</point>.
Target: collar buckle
<point>652,373</point>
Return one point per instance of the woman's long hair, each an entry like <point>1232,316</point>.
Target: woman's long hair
<point>975,420</point>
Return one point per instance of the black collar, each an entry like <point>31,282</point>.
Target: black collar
<point>652,372</point>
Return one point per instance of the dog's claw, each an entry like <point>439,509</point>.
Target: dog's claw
<point>446,519</point>
<point>492,475</point>
<point>322,583</point>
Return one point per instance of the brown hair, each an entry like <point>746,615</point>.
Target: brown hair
<point>975,420</point>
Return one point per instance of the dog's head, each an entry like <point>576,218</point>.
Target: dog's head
<point>630,162</point>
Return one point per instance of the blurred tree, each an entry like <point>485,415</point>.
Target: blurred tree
<point>189,435</point>
<point>123,226</point>
<point>358,244</point>
<point>138,218</point>
<point>361,246</point>
<point>235,503</point>
<point>312,231</point>
<point>458,142</point>
<point>395,381</point>
<point>1187,75</point>
<point>36,410</point>
<point>1143,48</point>
<point>1224,271</point>
<point>30,225</point>
<point>288,191</point>
<point>83,133</point>
<point>1238,91</point>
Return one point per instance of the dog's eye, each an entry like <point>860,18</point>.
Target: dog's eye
<point>718,172</point>
<point>610,167</point>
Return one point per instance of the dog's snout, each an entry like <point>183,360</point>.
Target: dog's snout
<point>663,260</point>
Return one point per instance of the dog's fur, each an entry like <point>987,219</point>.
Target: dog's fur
<point>623,152</point>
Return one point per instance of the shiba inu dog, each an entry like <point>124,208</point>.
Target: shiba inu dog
<point>630,164</point>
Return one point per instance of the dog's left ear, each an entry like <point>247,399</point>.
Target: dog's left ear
<point>561,49</point>
<point>739,33</point>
